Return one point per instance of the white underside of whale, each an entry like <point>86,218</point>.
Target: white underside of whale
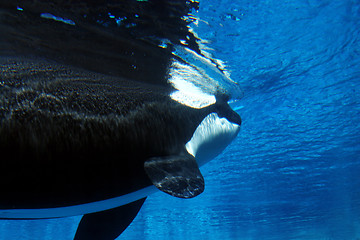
<point>80,209</point>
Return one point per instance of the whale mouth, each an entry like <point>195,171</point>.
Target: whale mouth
<point>211,137</point>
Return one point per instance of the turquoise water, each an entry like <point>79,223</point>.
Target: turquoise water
<point>294,170</point>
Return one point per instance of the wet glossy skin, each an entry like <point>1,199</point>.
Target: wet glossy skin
<point>75,137</point>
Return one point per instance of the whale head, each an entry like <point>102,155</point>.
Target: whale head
<point>216,131</point>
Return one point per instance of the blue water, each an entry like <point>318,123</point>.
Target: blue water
<point>294,170</point>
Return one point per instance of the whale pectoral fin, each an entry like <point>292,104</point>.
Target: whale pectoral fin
<point>178,176</point>
<point>109,224</point>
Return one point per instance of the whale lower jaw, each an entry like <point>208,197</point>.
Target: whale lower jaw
<point>75,210</point>
<point>211,137</point>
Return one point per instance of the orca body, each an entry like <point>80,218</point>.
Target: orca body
<point>93,132</point>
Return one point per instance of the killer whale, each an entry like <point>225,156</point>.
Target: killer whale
<point>71,159</point>
<point>85,138</point>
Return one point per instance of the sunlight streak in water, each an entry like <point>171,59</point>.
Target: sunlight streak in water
<point>59,19</point>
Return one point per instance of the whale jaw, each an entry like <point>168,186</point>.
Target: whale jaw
<point>211,137</point>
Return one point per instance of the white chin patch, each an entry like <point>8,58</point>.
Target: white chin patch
<point>211,137</point>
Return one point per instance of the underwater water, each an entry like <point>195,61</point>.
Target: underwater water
<point>293,172</point>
